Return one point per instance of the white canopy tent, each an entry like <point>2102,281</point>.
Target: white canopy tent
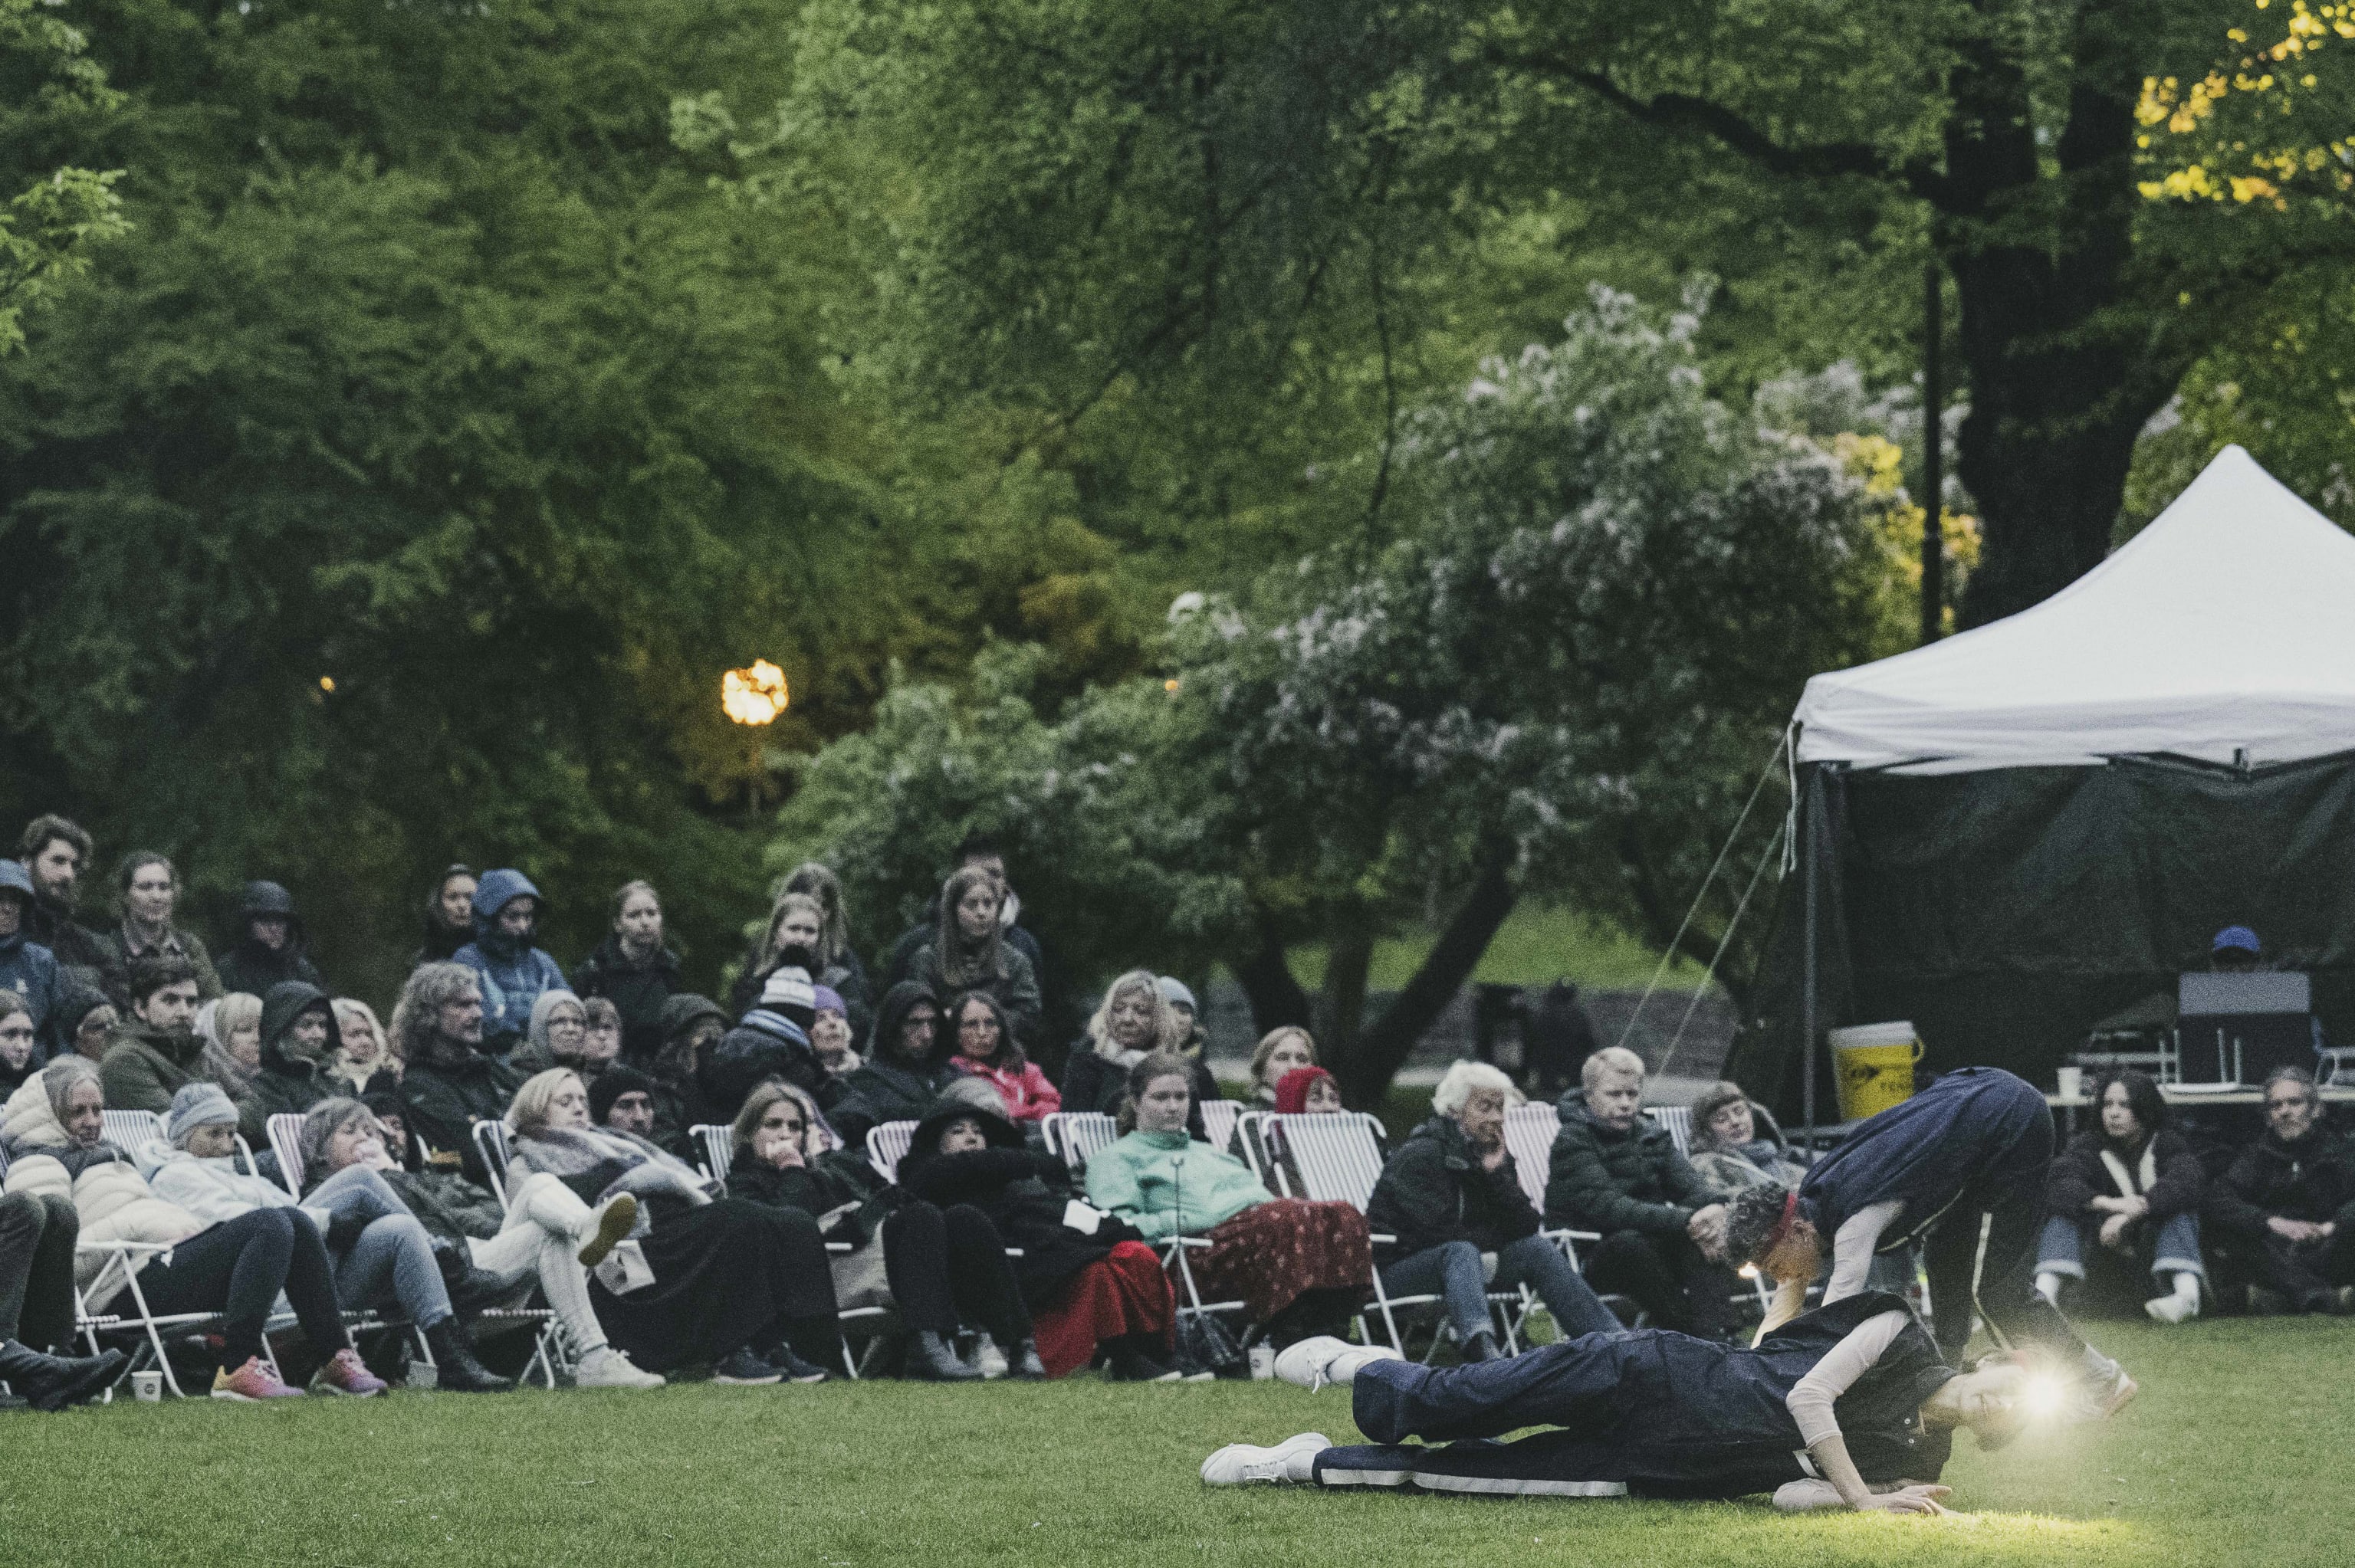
<point>2224,632</point>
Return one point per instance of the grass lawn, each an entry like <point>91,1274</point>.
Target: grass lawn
<point>2235,1453</point>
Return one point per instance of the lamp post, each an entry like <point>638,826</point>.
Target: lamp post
<point>1934,465</point>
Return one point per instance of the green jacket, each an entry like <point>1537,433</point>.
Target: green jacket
<point>1164,1184</point>
<point>1599,1180</point>
<point>145,1067</point>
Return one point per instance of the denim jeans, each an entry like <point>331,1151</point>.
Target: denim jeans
<point>1454,1270</point>
<point>391,1263</point>
<point>2067,1242</point>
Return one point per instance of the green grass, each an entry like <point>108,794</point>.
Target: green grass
<point>1534,945</point>
<point>2235,1453</point>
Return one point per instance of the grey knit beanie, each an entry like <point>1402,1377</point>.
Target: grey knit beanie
<point>197,1105</point>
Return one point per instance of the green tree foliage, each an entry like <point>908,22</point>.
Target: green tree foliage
<point>48,228</point>
<point>402,491</point>
<point>1563,676</point>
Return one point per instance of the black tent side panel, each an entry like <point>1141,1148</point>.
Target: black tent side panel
<point>2005,911</point>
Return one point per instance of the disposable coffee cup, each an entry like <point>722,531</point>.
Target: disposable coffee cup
<point>422,1374</point>
<point>2071,1081</point>
<point>1263,1363</point>
<point>147,1387</point>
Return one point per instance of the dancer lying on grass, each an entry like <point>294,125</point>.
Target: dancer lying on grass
<point>1847,1405</point>
<point>1973,1146</point>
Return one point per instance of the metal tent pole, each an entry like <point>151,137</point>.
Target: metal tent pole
<point>1806,837</point>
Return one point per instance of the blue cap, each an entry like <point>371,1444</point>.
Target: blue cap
<point>2235,936</point>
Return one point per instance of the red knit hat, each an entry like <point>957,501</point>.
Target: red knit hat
<point>1292,1089</point>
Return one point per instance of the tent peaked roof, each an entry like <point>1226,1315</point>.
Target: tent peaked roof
<point>2227,626</point>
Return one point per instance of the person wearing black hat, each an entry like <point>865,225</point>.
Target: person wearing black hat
<point>269,944</point>
<point>296,1025</point>
<point>623,1099</point>
<point>907,1065</point>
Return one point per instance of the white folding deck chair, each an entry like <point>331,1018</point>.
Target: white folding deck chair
<point>1336,1159</point>
<point>1074,1136</point>
<point>1678,1119</point>
<point>887,1145</point>
<point>1218,1122</point>
<point>719,1141</point>
<point>131,1130</point>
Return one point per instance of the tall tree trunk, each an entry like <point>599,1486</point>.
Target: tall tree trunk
<point>1274,992</point>
<point>2063,377</point>
<point>1374,1057</point>
<point>1348,958</point>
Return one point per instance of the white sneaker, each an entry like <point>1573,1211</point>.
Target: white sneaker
<point>606,1367</point>
<point>990,1359</point>
<point>1290,1462</point>
<point>2171,1308</point>
<point>1312,1363</point>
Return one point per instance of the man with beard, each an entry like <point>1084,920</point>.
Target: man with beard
<point>155,1050</point>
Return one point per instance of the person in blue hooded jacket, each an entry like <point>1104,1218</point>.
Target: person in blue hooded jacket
<point>513,971</point>
<point>27,968</point>
<point>1966,1157</point>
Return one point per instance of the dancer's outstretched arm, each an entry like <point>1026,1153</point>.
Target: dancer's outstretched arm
<point>1811,1402</point>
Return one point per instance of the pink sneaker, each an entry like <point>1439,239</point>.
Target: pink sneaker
<point>346,1373</point>
<point>252,1384</point>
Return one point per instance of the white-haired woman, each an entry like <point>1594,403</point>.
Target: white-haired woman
<point>1134,1018</point>
<point>1452,1198</point>
<point>744,1287</point>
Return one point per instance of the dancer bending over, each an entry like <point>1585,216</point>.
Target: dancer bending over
<point>1660,1414</point>
<point>1970,1151</point>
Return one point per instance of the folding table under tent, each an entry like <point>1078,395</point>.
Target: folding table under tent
<point>2007,835</point>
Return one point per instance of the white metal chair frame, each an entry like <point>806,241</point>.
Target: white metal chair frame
<point>1073,1137</point>
<point>887,1145</point>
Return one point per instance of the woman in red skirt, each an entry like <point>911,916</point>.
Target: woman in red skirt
<point>1088,1290</point>
<point>1292,1263</point>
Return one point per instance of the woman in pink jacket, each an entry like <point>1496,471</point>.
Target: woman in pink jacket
<point>985,1050</point>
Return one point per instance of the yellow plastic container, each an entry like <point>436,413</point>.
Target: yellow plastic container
<point>1873,1063</point>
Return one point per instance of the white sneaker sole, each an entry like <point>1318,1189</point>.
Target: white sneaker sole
<point>1241,1463</point>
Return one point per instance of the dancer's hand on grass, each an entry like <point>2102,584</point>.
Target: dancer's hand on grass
<point>1909,1500</point>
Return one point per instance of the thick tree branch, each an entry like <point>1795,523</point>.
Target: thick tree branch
<point>1682,112</point>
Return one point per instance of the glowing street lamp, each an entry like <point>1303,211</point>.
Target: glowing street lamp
<point>755,695</point>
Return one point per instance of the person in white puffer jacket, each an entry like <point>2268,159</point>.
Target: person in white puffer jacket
<point>379,1256</point>
<point>236,1268</point>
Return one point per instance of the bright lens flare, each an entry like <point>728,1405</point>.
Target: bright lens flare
<point>755,695</point>
<point>2044,1396</point>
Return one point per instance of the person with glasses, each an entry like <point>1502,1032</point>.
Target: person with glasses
<point>2282,1214</point>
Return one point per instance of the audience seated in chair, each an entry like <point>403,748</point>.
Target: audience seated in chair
<point>1298,1267</point>
<point>985,1049</point>
<point>1093,1287</point>
<point>238,1268</point>
<point>940,1266</point>
<point>704,1278</point>
<point>907,1066</point>
<point>1736,1146</point>
<point>1613,1170</point>
<point>545,1234</point>
<point>1280,1051</point>
<point>1452,1199</point>
<point>155,1050</point>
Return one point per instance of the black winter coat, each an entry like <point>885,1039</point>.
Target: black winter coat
<point>1435,1190</point>
<point>2079,1176</point>
<point>837,1179</point>
<point>1024,1193</point>
<point>637,991</point>
<point>2313,1179</point>
<point>1094,1083</point>
<point>447,1090</point>
<point>1601,1180</point>
<point>878,1091</point>
<point>287,1084</point>
<point>253,969</point>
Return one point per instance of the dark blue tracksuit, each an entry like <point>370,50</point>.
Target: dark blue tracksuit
<point>1974,1143</point>
<point>1652,1410</point>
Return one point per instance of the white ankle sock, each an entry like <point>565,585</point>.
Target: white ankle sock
<point>2048,1286</point>
<point>2188,1285</point>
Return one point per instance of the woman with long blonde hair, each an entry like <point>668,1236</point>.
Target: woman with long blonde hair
<point>1134,1020</point>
